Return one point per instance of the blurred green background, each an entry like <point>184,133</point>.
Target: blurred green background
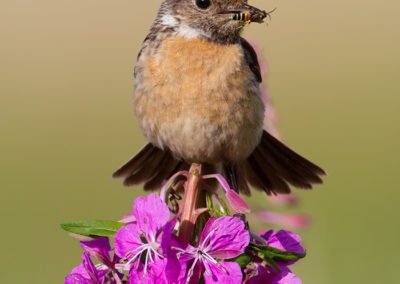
<point>67,123</point>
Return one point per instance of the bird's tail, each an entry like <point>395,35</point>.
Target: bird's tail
<point>272,167</point>
<point>151,166</point>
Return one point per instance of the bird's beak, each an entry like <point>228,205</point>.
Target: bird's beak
<point>255,14</point>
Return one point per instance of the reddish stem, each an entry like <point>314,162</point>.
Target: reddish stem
<point>189,216</point>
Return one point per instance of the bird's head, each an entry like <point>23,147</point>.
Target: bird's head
<point>217,20</point>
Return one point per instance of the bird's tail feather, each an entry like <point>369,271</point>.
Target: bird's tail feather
<point>151,166</point>
<point>272,167</point>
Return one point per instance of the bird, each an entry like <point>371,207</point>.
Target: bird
<point>197,100</point>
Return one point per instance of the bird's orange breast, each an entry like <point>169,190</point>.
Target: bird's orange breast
<point>199,99</point>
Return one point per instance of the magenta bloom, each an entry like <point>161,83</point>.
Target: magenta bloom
<point>266,276</point>
<point>86,273</point>
<point>151,215</point>
<point>283,240</point>
<point>222,238</point>
<point>290,221</point>
<point>101,250</point>
<point>236,201</point>
<point>156,272</point>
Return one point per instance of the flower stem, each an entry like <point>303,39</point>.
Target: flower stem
<point>189,216</point>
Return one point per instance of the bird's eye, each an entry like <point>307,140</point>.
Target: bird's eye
<point>203,4</point>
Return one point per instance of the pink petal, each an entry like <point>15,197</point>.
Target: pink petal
<point>156,273</point>
<point>285,240</point>
<point>127,239</point>
<point>230,274</point>
<point>296,221</point>
<point>99,248</point>
<point>198,270</point>
<point>177,242</point>
<point>151,214</point>
<point>285,277</point>
<point>137,274</point>
<point>207,229</point>
<point>229,234</point>
<point>268,235</point>
<point>89,266</point>
<point>167,234</point>
<point>175,269</point>
<point>237,202</point>
<point>220,179</point>
<point>225,254</point>
<point>284,199</point>
<point>83,238</point>
<point>270,217</point>
<point>76,279</point>
<point>170,181</point>
<point>128,218</point>
<point>172,266</point>
<point>78,275</point>
<point>291,221</point>
<point>266,276</point>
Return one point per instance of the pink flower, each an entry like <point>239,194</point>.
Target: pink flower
<point>235,200</point>
<point>284,199</point>
<point>266,276</point>
<point>100,249</point>
<point>155,273</point>
<point>145,238</point>
<point>222,238</point>
<point>290,221</point>
<point>283,240</point>
<point>86,273</point>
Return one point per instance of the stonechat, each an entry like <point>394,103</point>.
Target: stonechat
<point>197,99</point>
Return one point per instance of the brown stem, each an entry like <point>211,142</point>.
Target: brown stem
<point>189,216</point>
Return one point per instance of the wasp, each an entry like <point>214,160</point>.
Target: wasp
<point>252,15</point>
<point>245,16</point>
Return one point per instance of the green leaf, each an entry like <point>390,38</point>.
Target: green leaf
<point>270,253</point>
<point>101,228</point>
<point>243,260</point>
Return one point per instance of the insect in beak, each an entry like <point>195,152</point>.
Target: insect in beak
<point>254,14</point>
<point>247,13</point>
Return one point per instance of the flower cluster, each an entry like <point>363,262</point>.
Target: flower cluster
<point>149,249</point>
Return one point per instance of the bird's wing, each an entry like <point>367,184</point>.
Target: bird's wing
<point>251,58</point>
